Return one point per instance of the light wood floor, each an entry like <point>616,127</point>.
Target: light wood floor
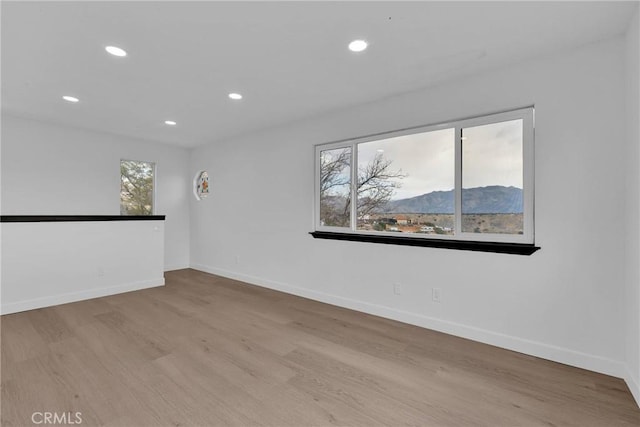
<point>205,350</point>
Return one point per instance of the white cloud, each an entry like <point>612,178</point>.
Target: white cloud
<point>492,155</point>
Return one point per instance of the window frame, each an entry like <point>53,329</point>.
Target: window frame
<point>526,114</point>
<point>154,171</point>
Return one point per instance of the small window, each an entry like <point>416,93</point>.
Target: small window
<point>492,176</point>
<point>335,187</point>
<point>136,187</point>
<point>465,180</point>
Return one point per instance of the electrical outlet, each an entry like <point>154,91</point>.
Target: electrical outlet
<point>397,288</point>
<point>237,259</point>
<point>100,271</point>
<point>436,294</point>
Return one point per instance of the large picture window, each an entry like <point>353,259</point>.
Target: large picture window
<point>466,180</point>
<point>136,187</point>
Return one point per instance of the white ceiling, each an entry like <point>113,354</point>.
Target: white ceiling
<point>289,59</point>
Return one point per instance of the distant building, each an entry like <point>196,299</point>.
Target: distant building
<point>403,220</point>
<point>387,221</point>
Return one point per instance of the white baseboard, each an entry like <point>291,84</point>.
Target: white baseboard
<point>521,345</point>
<point>175,267</point>
<point>633,385</point>
<point>15,307</point>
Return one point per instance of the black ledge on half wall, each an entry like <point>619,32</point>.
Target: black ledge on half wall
<point>463,245</point>
<point>79,218</point>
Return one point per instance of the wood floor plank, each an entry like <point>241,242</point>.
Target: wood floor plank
<point>49,324</point>
<point>20,340</point>
<point>209,351</point>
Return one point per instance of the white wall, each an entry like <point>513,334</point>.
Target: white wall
<point>50,169</point>
<point>49,263</point>
<point>562,303</point>
<point>632,225</point>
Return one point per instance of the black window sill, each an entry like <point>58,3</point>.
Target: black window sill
<point>79,218</point>
<point>464,245</point>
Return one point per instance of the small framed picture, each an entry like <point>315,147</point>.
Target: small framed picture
<point>201,185</point>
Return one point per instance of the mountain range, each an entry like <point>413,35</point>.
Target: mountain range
<point>490,199</point>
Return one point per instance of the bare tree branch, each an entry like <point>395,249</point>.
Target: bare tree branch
<point>375,187</point>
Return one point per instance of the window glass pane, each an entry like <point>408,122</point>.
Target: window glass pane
<point>335,187</point>
<point>136,188</point>
<point>405,183</point>
<point>492,174</point>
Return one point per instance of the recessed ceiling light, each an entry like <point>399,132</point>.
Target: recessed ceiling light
<point>170,122</point>
<point>235,96</point>
<point>70,98</point>
<point>358,45</point>
<point>115,51</point>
